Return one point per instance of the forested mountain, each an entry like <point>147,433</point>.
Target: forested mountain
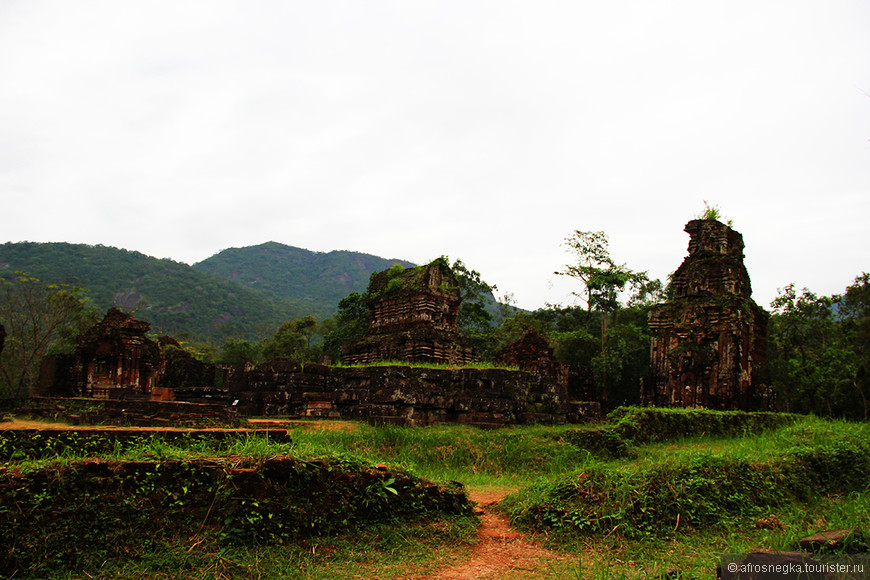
<point>235,301</point>
<point>323,278</point>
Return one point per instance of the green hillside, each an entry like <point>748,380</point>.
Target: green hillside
<point>323,278</point>
<point>239,292</point>
<point>174,297</point>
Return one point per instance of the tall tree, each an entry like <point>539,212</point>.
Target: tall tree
<point>813,358</point>
<point>604,281</point>
<point>592,257</point>
<point>293,340</point>
<point>473,314</point>
<point>350,323</point>
<point>855,310</point>
<point>40,319</point>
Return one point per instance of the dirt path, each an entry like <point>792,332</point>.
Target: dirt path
<point>501,551</point>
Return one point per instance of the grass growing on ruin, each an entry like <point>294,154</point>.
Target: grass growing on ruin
<point>384,551</point>
<point>434,366</point>
<point>26,451</point>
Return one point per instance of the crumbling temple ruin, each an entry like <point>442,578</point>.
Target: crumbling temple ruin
<point>533,353</point>
<point>413,316</point>
<point>709,340</point>
<point>116,357</point>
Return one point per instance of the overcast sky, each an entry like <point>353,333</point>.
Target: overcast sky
<point>484,130</point>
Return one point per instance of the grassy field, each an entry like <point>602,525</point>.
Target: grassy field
<point>681,504</point>
<point>657,500</point>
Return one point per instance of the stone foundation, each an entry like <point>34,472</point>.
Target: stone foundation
<point>404,395</point>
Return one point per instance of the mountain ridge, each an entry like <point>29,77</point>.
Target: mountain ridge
<point>242,292</point>
<point>290,271</point>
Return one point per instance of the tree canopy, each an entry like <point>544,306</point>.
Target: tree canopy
<point>39,319</point>
<point>819,353</point>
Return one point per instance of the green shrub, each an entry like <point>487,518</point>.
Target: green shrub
<point>602,441</point>
<point>691,489</point>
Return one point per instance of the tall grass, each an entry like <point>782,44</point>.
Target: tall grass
<point>511,456</point>
<point>706,482</point>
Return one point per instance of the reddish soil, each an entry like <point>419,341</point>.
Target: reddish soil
<point>16,423</point>
<point>326,425</point>
<point>501,551</point>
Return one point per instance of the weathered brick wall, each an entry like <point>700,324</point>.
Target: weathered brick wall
<point>403,395</point>
<point>533,353</point>
<point>415,344</point>
<point>396,314</point>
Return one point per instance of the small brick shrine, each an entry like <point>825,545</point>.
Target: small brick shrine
<point>115,354</point>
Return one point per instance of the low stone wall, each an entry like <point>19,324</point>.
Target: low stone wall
<point>390,394</point>
<point>403,395</point>
<point>48,443</point>
<point>82,411</point>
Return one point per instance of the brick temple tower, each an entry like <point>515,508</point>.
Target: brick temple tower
<point>709,340</point>
<point>413,316</point>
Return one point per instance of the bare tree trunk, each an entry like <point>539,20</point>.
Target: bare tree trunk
<point>860,392</point>
<point>604,389</point>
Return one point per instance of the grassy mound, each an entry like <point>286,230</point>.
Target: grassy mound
<point>672,488</point>
<point>629,426</point>
<point>656,425</point>
<point>77,514</point>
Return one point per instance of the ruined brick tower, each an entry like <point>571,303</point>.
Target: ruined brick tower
<point>116,357</point>
<point>413,316</point>
<point>709,340</point>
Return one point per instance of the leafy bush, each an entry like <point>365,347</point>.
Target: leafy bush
<point>602,440</point>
